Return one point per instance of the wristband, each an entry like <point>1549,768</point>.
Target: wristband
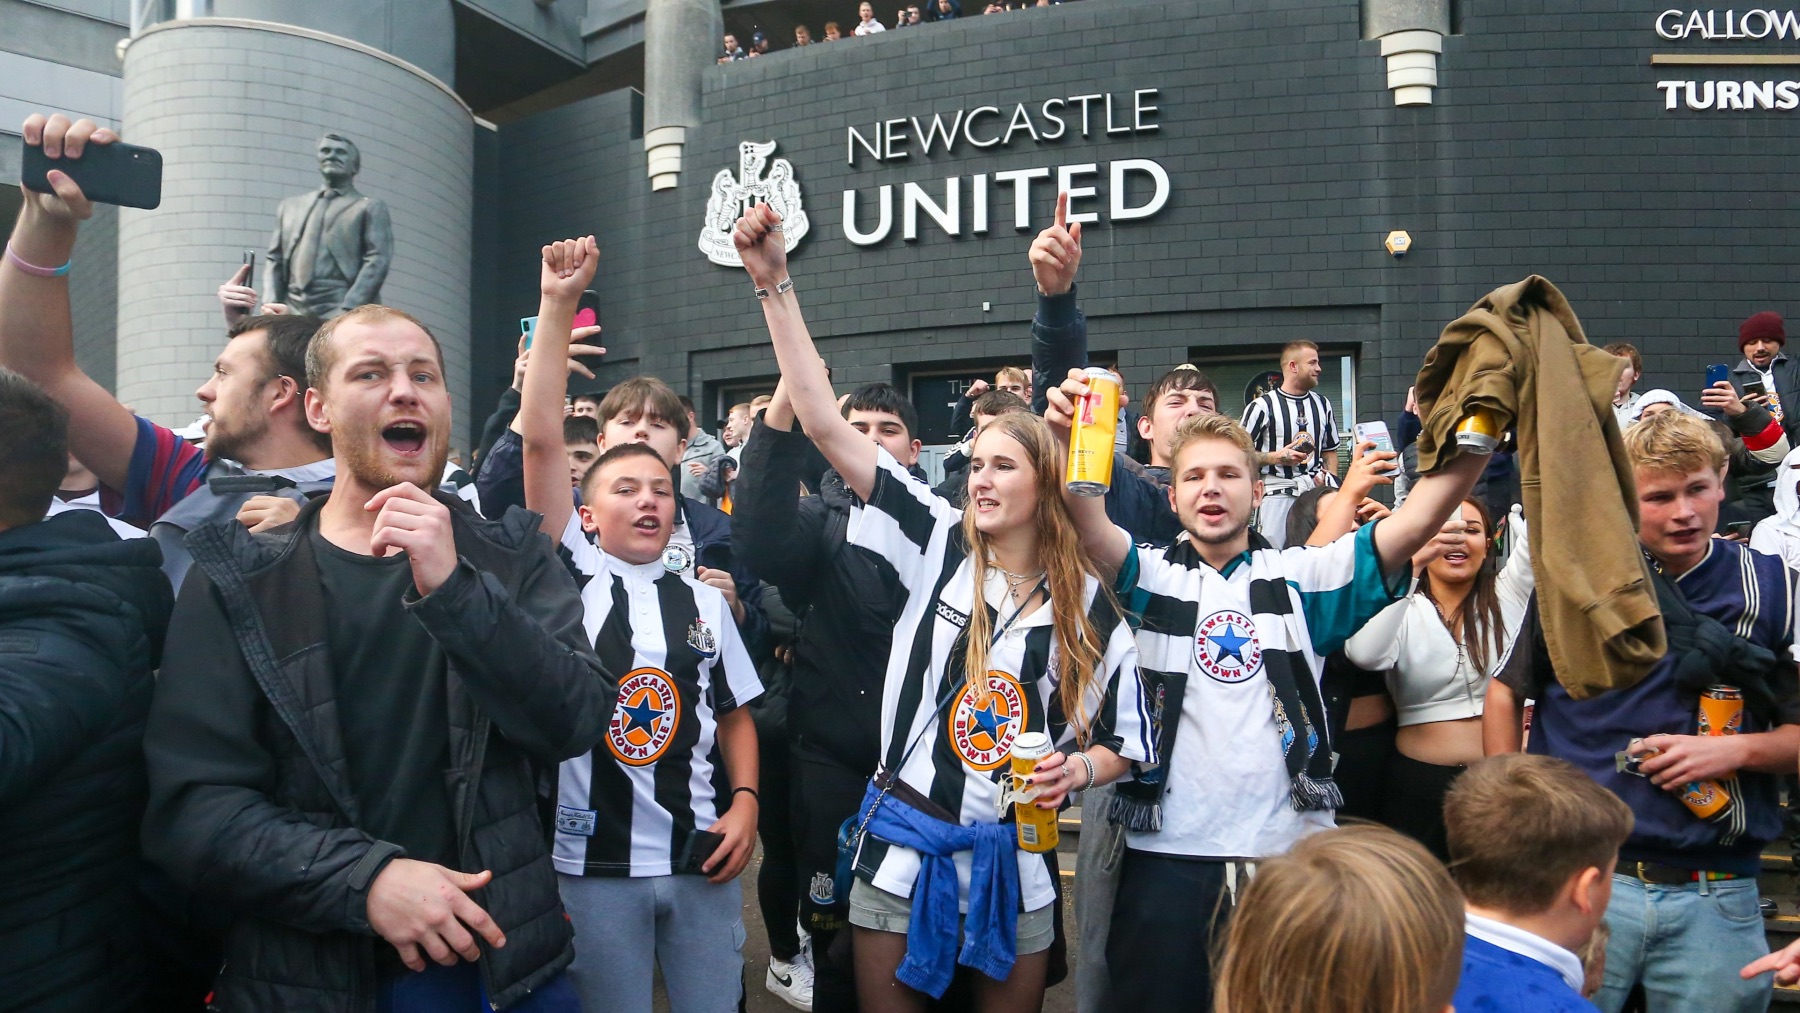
<point>52,272</point>
<point>786,285</point>
<point>752,792</point>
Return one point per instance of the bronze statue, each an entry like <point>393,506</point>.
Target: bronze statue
<point>332,246</point>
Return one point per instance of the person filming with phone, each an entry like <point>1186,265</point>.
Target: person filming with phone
<point>1762,338</point>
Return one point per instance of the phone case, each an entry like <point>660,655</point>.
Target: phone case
<point>699,847</point>
<point>128,175</point>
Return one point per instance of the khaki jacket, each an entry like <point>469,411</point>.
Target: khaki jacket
<point>1521,352</point>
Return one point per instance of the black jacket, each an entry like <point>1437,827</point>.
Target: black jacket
<point>1786,372</point>
<point>250,800</point>
<point>851,597</point>
<point>82,616</point>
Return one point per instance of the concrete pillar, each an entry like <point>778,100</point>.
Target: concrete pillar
<point>680,40</point>
<point>237,107</point>
<point>1412,37</point>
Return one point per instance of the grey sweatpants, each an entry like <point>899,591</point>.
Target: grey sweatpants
<point>1096,882</point>
<point>625,928</point>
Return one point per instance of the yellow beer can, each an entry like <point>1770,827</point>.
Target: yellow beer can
<point>1092,434</point>
<point>1037,827</point>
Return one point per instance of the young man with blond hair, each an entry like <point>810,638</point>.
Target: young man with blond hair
<point>1684,907</point>
<point>1295,430</point>
<point>1231,641</point>
<point>1535,890</point>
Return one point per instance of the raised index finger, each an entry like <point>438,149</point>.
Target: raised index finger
<point>1062,209</point>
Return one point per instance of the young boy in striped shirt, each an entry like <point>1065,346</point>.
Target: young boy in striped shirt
<point>1231,639</point>
<point>654,826</point>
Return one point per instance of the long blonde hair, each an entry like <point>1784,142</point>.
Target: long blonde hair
<point>1354,920</point>
<point>1066,566</point>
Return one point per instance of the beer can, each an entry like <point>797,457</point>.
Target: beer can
<point>1721,710</point>
<point>1037,827</point>
<point>1092,434</point>
<point>1707,800</point>
<point>1479,431</point>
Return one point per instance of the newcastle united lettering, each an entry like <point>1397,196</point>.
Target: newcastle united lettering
<point>1124,189</point>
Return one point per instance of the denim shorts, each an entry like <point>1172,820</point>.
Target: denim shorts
<point>874,908</point>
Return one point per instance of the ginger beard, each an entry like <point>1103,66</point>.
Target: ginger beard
<point>385,405</point>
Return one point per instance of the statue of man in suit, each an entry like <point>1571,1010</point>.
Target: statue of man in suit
<point>332,246</point>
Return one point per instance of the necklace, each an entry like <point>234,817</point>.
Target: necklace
<point>1462,654</point>
<point>1014,581</point>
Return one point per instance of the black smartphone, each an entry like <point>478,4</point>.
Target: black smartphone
<point>699,847</point>
<point>250,262</point>
<point>587,311</point>
<point>1741,529</point>
<point>1755,388</point>
<point>118,173</point>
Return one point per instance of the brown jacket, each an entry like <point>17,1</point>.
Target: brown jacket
<point>1521,352</point>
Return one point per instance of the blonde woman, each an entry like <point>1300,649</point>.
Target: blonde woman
<point>1003,630</point>
<point>1354,920</point>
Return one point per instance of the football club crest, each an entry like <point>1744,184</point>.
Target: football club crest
<point>982,731</point>
<point>1226,648</point>
<point>700,638</point>
<point>678,559</point>
<point>733,195</point>
<point>823,891</point>
<point>644,722</point>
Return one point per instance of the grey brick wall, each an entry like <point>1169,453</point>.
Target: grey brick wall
<point>1548,150</point>
<point>236,112</point>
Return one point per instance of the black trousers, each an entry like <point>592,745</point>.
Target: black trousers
<point>1413,801</point>
<point>1361,773</point>
<point>778,882</point>
<point>1159,947</point>
<point>823,795</point>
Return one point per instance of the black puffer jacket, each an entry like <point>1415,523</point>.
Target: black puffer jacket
<point>82,616</point>
<point>851,596</point>
<point>251,803</point>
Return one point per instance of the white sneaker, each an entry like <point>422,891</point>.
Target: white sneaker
<point>792,981</point>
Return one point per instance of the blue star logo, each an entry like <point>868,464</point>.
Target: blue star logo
<point>641,715</point>
<point>1230,645</point>
<point>990,722</point>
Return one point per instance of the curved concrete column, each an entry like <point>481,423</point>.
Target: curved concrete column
<point>681,38</point>
<point>237,108</point>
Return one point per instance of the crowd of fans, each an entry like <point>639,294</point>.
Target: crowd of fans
<point>911,15</point>
<point>296,713</point>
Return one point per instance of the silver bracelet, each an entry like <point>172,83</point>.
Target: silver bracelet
<point>1092,774</point>
<point>786,285</point>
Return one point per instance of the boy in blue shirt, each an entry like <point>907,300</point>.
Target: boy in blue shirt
<point>1534,889</point>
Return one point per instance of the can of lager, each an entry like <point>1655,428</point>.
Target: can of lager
<point>1479,431</point>
<point>1721,711</point>
<point>1037,827</point>
<point>1092,433</point>
<point>1707,800</point>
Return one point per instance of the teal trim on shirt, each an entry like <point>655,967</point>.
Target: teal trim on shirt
<point>1333,616</point>
<point>1125,586</point>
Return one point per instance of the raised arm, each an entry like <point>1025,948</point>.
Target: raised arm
<point>1368,469</point>
<point>568,267</point>
<point>37,337</point>
<point>1425,510</point>
<point>759,241</point>
<point>1058,329</point>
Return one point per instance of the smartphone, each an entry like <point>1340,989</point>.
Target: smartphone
<point>699,847</point>
<point>587,311</point>
<point>528,328</point>
<point>1755,388</point>
<point>250,262</point>
<point>128,175</point>
<point>1740,528</point>
<point>1376,433</point>
<point>1718,372</point>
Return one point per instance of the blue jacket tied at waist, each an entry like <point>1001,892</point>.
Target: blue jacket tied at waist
<point>991,934</point>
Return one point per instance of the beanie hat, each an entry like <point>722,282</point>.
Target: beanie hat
<point>1764,326</point>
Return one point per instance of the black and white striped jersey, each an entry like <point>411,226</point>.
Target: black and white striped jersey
<point>1277,418</point>
<point>627,807</point>
<point>964,750</point>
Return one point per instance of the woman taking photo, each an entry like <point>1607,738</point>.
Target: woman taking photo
<point>1003,631</point>
<point>1439,646</point>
